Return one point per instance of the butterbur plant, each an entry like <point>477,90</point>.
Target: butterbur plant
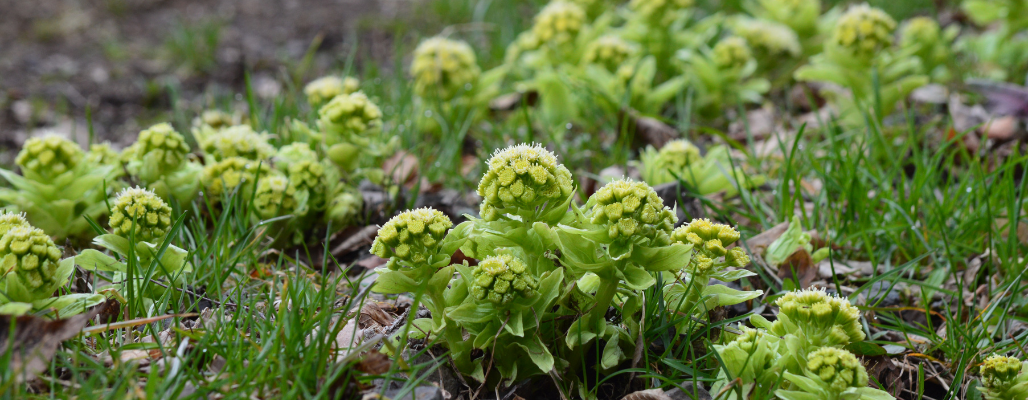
<point>750,358</point>
<point>443,69</point>
<point>321,90</point>
<point>58,186</point>
<point>351,128</point>
<point>139,238</point>
<point>932,45</point>
<point>680,160</point>
<point>831,374</point>
<point>1003,378</point>
<point>31,270</point>
<point>159,160</point>
<point>236,141</point>
<point>723,75</point>
<point>234,173</point>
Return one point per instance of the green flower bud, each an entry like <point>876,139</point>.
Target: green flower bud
<point>709,242</point>
<point>343,208</point>
<point>558,23</point>
<point>1003,378</point>
<point>230,173</point>
<point>293,153</point>
<point>751,356</point>
<point>309,176</point>
<point>769,39</point>
<point>103,154</point>
<point>412,237</point>
<point>525,178</point>
<point>142,212</point>
<point>325,88</point>
<point>923,31</point>
<point>48,156</point>
<point>737,257</point>
<point>500,279</point>
<point>678,154</point>
<point>632,210</point>
<point>275,196</point>
<point>161,147</point>
<point>838,368</point>
<point>353,113</point>
<point>238,141</point>
<point>731,54</point>
<point>443,68</point>
<point>863,31</point>
<point>821,319</point>
<point>609,52</point>
<point>29,256</point>
<point>658,8</point>
<point>10,220</point>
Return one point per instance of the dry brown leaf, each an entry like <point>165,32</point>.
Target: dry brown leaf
<point>34,340</point>
<point>356,239</point>
<point>372,314</point>
<point>402,167</point>
<point>374,363</point>
<point>372,262</point>
<point>759,243</point>
<point>651,394</point>
<point>799,267</point>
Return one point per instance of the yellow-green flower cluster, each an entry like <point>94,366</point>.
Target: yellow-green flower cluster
<point>609,52</point>
<point>412,236</point>
<point>821,319</point>
<point>9,220</point>
<point>767,38</point>
<point>800,15</point>
<point>163,144</point>
<point>325,88</point>
<point>838,368</point>
<point>49,156</point>
<point>523,178</point>
<point>344,207</point>
<point>353,113</point>
<point>238,141</point>
<point>658,8</point>
<point>920,30</point>
<point>731,54</point>
<point>103,154</point>
<point>863,31</point>
<point>293,153</point>
<point>309,176</point>
<point>500,279</point>
<point>558,23</point>
<point>632,210</point>
<point>29,256</point>
<point>275,196</point>
<point>443,68</point>
<point>217,120</point>
<point>998,372</point>
<point>230,173</point>
<point>678,154</point>
<point>709,241</point>
<point>140,213</point>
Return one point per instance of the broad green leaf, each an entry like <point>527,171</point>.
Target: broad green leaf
<point>727,296</point>
<point>394,282</point>
<point>94,260</point>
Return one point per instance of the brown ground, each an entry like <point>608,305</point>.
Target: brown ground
<point>59,56</point>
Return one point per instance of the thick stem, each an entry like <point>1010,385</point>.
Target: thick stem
<point>604,296</point>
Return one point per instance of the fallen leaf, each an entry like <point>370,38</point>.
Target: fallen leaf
<point>402,167</point>
<point>1002,128</point>
<point>356,239</point>
<point>372,262</point>
<point>759,243</point>
<point>371,313</point>
<point>799,267</point>
<point>653,131</point>
<point>374,363</point>
<point>33,340</point>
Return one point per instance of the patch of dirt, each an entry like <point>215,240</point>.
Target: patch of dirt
<point>123,59</point>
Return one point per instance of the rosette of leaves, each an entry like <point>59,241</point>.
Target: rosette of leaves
<point>57,186</point>
<point>621,234</point>
<point>691,293</point>
<point>351,128</point>
<point>858,57</point>
<point>831,374</point>
<point>503,296</point>
<point>632,86</point>
<point>799,15</point>
<point>1003,378</point>
<point>751,358</point>
<point>237,141</point>
<point>773,44</point>
<point>159,159</point>
<point>321,90</point>
<point>809,320</point>
<point>680,160</point>
<point>932,45</point>
<point>792,240</point>
<point>31,270</point>
<point>140,239</point>
<point>723,75</point>
<point>234,173</point>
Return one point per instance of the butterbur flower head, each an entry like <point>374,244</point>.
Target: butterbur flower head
<point>140,212</point>
<point>10,220</point>
<point>609,52</point>
<point>658,8</point>
<point>732,53</point>
<point>1000,372</point>
<point>309,176</point>
<point>217,119</point>
<point>412,236</point>
<point>275,196</point>
<point>238,141</point>
<point>293,153</point>
<point>500,279</point>
<point>632,210</point>
<point>523,178</point>
<point>231,172</point>
<point>325,88</point>
<point>823,319</point>
<point>103,154</point>
<point>49,156</point>
<point>838,368</point>
<point>443,68</point>
<point>769,38</point>
<point>161,143</point>
<point>343,208</point>
<point>863,31</point>
<point>710,241</point>
<point>678,154</point>
<point>353,112</point>
<point>30,256</point>
<point>558,23</point>
<point>759,354</point>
